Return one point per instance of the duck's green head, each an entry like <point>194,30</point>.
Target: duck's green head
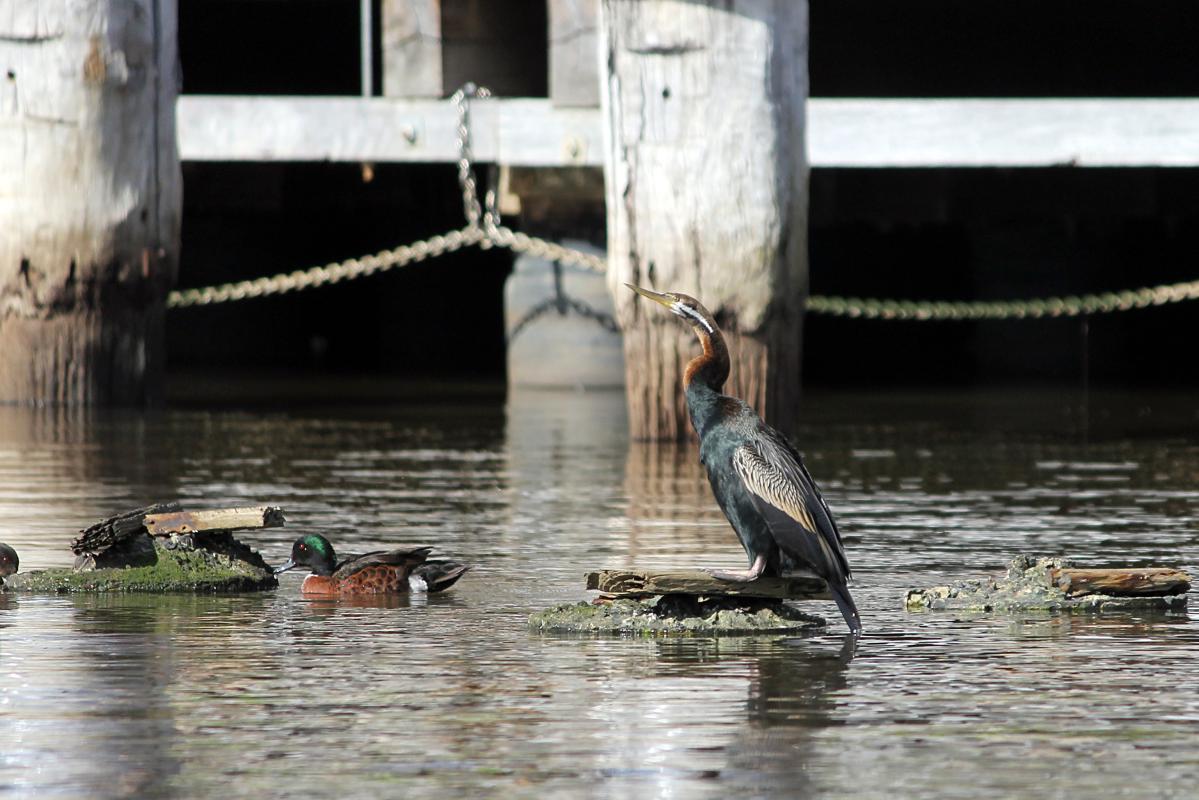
<point>8,561</point>
<point>312,551</point>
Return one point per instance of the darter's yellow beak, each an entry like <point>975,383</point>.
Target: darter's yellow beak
<point>657,297</point>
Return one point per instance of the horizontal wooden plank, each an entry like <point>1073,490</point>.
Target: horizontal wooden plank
<point>841,132</point>
<point>1123,132</point>
<point>220,519</point>
<point>636,583</point>
<point>518,132</point>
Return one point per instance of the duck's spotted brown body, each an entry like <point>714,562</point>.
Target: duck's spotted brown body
<point>371,580</point>
<point>378,573</point>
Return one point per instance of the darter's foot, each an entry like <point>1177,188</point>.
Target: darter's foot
<point>751,574</point>
<point>735,577</point>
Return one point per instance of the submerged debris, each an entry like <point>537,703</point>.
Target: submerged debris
<point>181,564</point>
<point>674,615</point>
<point>1032,584</point>
<point>162,548</point>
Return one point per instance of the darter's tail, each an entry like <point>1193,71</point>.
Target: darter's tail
<point>845,603</point>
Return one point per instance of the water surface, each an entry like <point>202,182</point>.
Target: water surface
<point>272,694</point>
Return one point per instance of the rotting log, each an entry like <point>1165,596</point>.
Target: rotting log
<point>637,583</point>
<point>127,539</point>
<point>1121,582</point>
<point>704,105</point>
<point>118,528</point>
<point>90,196</point>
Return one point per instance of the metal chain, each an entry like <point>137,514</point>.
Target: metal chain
<point>580,308</point>
<point>1069,306</point>
<point>328,274</point>
<point>484,228</point>
<point>466,173</point>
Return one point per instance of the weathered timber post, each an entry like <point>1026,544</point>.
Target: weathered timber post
<point>90,194</point>
<point>704,104</point>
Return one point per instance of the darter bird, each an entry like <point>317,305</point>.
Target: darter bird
<point>758,477</point>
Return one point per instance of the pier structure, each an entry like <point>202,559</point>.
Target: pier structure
<point>82,307</point>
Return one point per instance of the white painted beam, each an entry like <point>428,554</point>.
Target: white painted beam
<point>517,132</point>
<point>1130,132</point>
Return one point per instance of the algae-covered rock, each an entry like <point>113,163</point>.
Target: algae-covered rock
<point>675,615</point>
<point>1028,586</point>
<point>212,562</point>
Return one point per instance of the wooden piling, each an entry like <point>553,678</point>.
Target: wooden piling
<point>707,193</point>
<point>412,48</point>
<point>90,195</point>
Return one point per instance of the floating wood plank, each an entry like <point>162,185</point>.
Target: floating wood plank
<point>1125,582</point>
<point>871,133</point>
<point>221,519</point>
<point>635,583</point>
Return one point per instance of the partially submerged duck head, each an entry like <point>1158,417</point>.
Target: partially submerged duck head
<point>8,561</point>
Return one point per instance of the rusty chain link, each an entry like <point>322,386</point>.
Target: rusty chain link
<point>484,228</point>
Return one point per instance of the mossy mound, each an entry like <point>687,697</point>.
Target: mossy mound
<point>1027,586</point>
<point>182,565</point>
<point>675,615</point>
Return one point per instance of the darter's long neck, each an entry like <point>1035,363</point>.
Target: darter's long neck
<point>711,367</point>
<point>705,376</point>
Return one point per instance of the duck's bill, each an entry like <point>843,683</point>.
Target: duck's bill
<point>289,564</point>
<point>657,297</point>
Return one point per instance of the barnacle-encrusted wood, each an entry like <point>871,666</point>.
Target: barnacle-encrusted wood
<point>1055,584</point>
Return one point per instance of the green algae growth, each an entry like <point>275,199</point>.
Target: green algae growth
<point>675,615</point>
<point>176,570</point>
